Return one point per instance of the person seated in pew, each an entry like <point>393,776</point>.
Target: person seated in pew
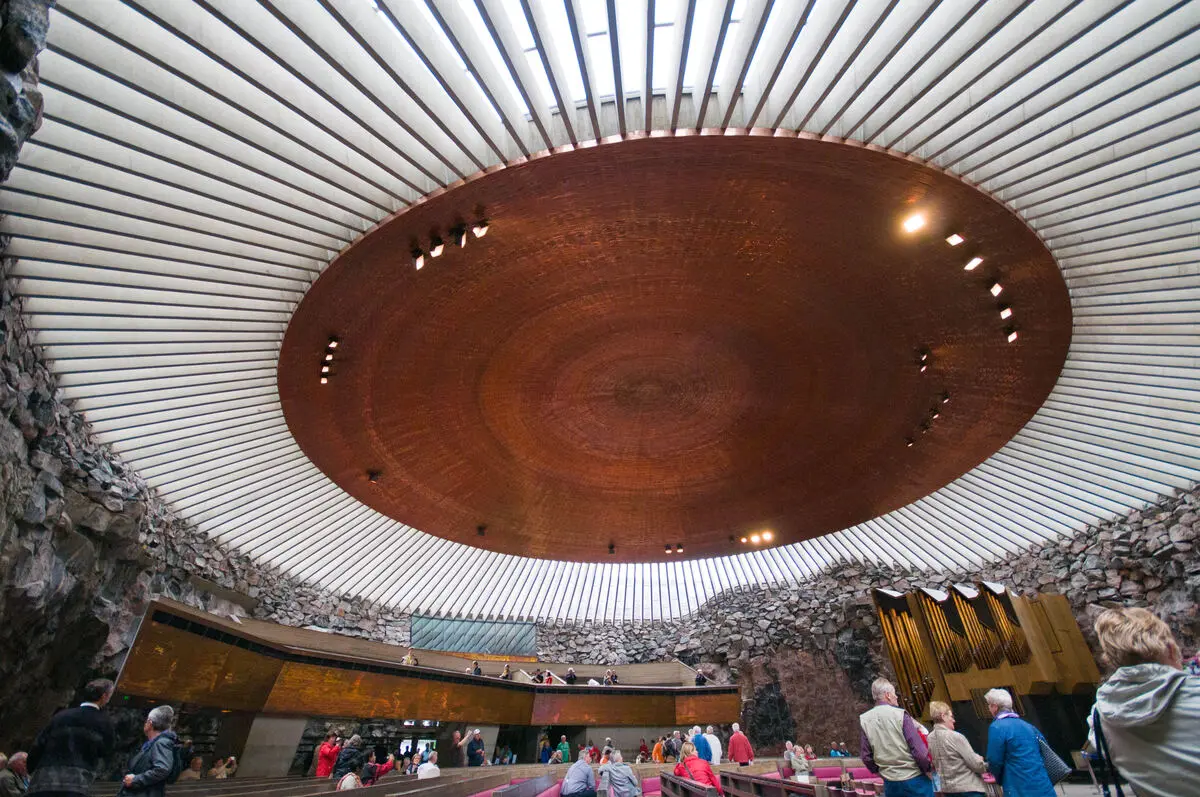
<point>223,768</point>
<point>372,771</point>
<point>430,768</point>
<point>409,660</point>
<point>618,778</point>
<point>352,779</point>
<point>476,669</point>
<point>506,673</point>
<point>844,750</point>
<point>414,764</point>
<point>580,780</point>
<point>644,751</point>
<point>194,771</point>
<point>809,753</point>
<point>693,767</point>
<point>555,757</point>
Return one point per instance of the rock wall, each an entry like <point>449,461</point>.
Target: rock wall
<point>23,27</point>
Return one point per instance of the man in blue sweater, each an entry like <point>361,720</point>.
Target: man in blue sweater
<point>1013,754</point>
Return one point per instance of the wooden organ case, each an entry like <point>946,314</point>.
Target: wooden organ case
<point>955,645</point>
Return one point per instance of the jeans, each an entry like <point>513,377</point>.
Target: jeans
<point>920,786</point>
<point>963,794</point>
<point>584,793</point>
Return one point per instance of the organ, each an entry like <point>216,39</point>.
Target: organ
<point>953,645</point>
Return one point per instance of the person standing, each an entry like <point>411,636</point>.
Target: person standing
<point>891,746</point>
<point>14,779</point>
<point>68,751</point>
<point>476,750</point>
<point>430,768</point>
<point>154,764</point>
<point>739,747</point>
<point>701,744</point>
<point>564,747</point>
<point>327,755</point>
<point>580,781</point>
<point>714,744</point>
<point>1013,753</point>
<point>350,759</point>
<point>693,767</point>
<point>1149,708</point>
<point>957,764</point>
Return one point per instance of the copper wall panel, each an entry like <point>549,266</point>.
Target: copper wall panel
<point>326,691</point>
<point>170,663</point>
<point>603,708</point>
<point>708,709</point>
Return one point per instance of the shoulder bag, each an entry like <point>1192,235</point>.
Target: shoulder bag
<point>1056,768</point>
<point>1107,766</point>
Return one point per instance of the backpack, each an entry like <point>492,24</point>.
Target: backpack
<point>177,763</point>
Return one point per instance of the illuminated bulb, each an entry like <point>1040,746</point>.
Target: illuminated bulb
<point>1012,335</point>
<point>972,264</point>
<point>923,367</point>
<point>914,222</point>
<point>936,415</point>
<point>924,356</point>
<point>461,235</point>
<point>328,356</point>
<point>324,369</point>
<point>1006,312</point>
<point>945,398</point>
<point>435,247</point>
<point>333,343</point>
<point>754,538</point>
<point>908,442</point>
<point>767,536</point>
<point>679,548</point>
<point>996,288</point>
<point>418,259</point>
<point>480,229</point>
<point>324,380</point>
<point>743,540</point>
<point>668,547</point>
<point>955,239</point>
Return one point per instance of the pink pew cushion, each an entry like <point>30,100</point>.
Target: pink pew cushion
<point>825,773</point>
<point>553,791</point>
<point>651,785</point>
<point>861,773</point>
<point>774,775</point>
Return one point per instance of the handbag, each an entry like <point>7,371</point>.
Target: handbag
<point>1108,766</point>
<point>1056,768</point>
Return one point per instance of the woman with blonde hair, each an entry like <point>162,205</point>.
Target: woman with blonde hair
<point>693,767</point>
<point>957,764</point>
<point>1149,708</point>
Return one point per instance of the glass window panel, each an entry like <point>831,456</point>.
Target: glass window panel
<point>601,54</point>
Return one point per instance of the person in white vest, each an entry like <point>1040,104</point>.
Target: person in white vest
<point>891,746</point>
<point>714,744</point>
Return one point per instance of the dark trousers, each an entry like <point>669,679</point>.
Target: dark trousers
<point>584,793</point>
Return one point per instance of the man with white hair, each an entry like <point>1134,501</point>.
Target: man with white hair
<point>714,744</point>
<point>618,778</point>
<point>153,767</point>
<point>739,747</point>
<point>891,746</point>
<point>702,748</point>
<point>1013,752</point>
<point>429,769</point>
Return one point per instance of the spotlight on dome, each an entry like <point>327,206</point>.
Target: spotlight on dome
<point>667,547</point>
<point>436,246</point>
<point>418,258</point>
<point>768,536</point>
<point>756,539</point>
<point>324,369</point>
<point>1005,311</point>
<point>1012,335</point>
<point>914,222</point>
<point>679,547</point>
<point>328,356</point>
<point>744,541</point>
<point>909,442</point>
<point>955,239</point>
<point>946,397</point>
<point>481,228</point>
<point>481,530</point>
<point>996,288</point>
<point>972,264</point>
<point>333,342</point>
<point>324,380</point>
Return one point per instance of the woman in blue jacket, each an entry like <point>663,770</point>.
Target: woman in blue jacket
<point>1013,754</point>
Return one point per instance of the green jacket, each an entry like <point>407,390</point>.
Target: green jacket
<point>565,749</point>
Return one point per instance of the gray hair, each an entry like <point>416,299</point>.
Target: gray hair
<point>709,729</point>
<point>695,730</point>
<point>355,740</point>
<point>161,717</point>
<point>881,688</point>
<point>736,727</point>
<point>615,757</point>
<point>1000,698</point>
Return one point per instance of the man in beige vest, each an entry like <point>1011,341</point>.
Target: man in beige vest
<point>891,746</point>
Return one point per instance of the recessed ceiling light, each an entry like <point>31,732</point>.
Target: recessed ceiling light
<point>973,264</point>
<point>436,246</point>
<point>996,288</point>
<point>936,415</point>
<point>946,397</point>
<point>908,442</point>
<point>679,548</point>
<point>460,236</point>
<point>1012,335</point>
<point>333,343</point>
<point>767,536</point>
<point>328,356</point>
<point>924,368</point>
<point>324,380</point>
<point>754,538</point>
<point>744,540</point>
<point>418,258</point>
<point>914,222</point>
<point>955,239</point>
<point>480,229</point>
<point>1006,312</point>
<point>324,369</point>
<point>668,547</point>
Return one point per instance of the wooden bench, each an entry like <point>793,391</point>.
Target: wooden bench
<point>742,784</point>
<point>673,786</point>
<point>528,788</point>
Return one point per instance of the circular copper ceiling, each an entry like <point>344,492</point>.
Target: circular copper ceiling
<point>674,341</point>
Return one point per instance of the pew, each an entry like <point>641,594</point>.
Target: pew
<point>743,784</point>
<point>673,786</point>
<point>528,788</point>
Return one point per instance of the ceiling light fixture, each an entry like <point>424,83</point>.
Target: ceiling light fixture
<point>324,380</point>
<point>754,538</point>
<point>935,414</point>
<point>679,547</point>
<point>996,288</point>
<point>459,235</point>
<point>436,245</point>
<point>481,228</point>
<point>1005,311</point>
<point>767,536</point>
<point>328,356</point>
<point>743,540</point>
<point>418,258</point>
<point>333,343</point>
<point>324,369</point>
<point>955,239</point>
<point>1012,335</point>
<point>973,264</point>
<point>668,547</point>
<point>946,397</point>
<point>914,222</point>
<point>909,442</point>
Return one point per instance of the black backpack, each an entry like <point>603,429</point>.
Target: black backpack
<point>177,762</point>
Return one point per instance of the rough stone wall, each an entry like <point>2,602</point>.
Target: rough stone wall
<point>23,27</point>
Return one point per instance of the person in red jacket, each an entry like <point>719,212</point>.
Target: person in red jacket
<point>739,747</point>
<point>327,755</point>
<point>693,767</point>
